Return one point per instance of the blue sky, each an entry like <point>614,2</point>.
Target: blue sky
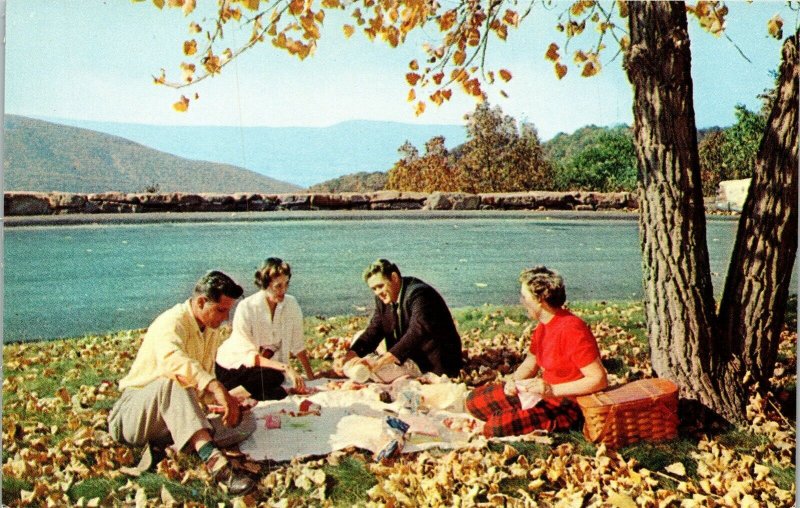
<point>93,60</point>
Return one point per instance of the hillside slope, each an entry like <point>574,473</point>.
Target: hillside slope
<point>43,156</point>
<point>301,155</point>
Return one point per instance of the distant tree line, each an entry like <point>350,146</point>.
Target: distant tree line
<point>503,155</point>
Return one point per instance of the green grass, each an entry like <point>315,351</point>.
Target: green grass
<point>12,486</point>
<point>88,368</point>
<point>350,481</point>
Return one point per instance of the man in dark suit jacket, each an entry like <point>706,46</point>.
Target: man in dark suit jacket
<point>413,319</point>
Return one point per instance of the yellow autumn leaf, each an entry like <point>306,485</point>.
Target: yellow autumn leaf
<point>413,65</point>
<point>511,18</point>
<point>622,5</point>
<point>552,52</point>
<point>188,7</point>
<point>459,57</point>
<point>677,469</point>
<point>252,4</point>
<point>577,8</point>
<point>775,27</point>
<point>505,75</point>
<point>194,28</point>
<point>412,95</point>
<point>620,500</point>
<point>502,32</point>
<point>159,3</point>
<point>182,105</point>
<point>420,108</point>
<point>590,69</point>
<point>190,47</point>
<point>296,6</point>
<point>561,70</point>
<point>187,70</point>
<point>348,30</point>
<point>447,20</point>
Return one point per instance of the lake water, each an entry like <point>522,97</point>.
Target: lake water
<point>65,281</point>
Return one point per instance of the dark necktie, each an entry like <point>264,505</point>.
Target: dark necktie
<point>396,321</point>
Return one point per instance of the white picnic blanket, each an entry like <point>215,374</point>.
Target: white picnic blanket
<point>356,417</point>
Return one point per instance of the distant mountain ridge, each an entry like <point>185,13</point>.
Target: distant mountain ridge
<point>301,155</point>
<point>43,156</point>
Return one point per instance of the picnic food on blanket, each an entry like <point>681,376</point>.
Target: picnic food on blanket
<point>467,425</point>
<point>394,431</point>
<point>244,405</point>
<point>272,421</point>
<point>308,407</point>
<point>356,370</point>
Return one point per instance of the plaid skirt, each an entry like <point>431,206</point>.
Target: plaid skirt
<point>504,415</point>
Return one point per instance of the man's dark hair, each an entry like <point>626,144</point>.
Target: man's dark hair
<point>383,267</point>
<point>215,284</point>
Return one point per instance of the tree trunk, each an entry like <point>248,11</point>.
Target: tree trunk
<point>757,285</point>
<point>678,293</point>
<point>708,357</point>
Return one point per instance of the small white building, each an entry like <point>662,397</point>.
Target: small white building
<point>731,194</point>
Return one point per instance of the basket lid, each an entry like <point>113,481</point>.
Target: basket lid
<point>636,390</point>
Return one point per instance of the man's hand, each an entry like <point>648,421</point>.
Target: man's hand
<point>384,360</point>
<point>297,380</point>
<point>231,415</point>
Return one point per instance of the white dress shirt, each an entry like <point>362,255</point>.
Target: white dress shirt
<point>254,328</point>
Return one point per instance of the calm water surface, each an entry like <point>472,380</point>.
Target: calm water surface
<point>65,281</point>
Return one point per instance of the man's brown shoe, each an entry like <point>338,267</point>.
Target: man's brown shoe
<point>222,472</point>
<point>237,484</point>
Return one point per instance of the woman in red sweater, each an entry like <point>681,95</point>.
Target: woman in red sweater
<point>562,348</point>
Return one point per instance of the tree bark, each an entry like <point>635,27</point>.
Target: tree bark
<point>678,293</point>
<point>757,285</point>
<point>708,356</point>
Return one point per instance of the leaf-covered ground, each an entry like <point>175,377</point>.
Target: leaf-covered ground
<point>57,452</point>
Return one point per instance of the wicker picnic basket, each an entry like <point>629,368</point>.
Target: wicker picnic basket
<point>641,410</point>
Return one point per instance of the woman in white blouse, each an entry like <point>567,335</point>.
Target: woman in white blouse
<point>267,331</point>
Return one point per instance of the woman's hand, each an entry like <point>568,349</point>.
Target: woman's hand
<point>510,388</point>
<point>541,387</point>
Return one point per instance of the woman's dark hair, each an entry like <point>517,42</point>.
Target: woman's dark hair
<point>215,284</point>
<point>383,267</point>
<point>545,284</point>
<point>271,268</point>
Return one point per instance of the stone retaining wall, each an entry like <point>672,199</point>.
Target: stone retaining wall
<point>54,203</point>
